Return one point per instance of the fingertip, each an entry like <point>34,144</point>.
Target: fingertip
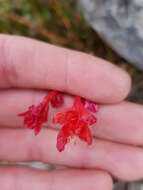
<point>96,79</point>
<point>122,86</point>
<point>105,178</point>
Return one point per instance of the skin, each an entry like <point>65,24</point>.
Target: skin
<point>29,68</point>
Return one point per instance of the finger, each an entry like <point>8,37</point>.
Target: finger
<point>22,178</point>
<point>119,123</point>
<point>122,161</point>
<point>28,63</point>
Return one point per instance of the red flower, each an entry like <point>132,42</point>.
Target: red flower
<point>56,99</point>
<point>75,121</point>
<point>91,106</point>
<point>35,116</point>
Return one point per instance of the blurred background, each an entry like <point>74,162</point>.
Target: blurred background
<point>61,22</point>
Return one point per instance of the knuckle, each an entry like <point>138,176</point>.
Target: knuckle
<point>7,66</point>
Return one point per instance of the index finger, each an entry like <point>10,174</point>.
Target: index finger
<point>27,63</point>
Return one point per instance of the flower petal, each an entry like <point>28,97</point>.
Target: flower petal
<point>59,118</point>
<point>91,119</point>
<point>85,134</point>
<point>57,100</point>
<point>62,138</point>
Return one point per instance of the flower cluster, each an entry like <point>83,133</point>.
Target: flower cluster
<point>75,120</point>
<point>35,116</point>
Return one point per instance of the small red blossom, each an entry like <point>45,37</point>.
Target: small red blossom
<point>36,116</point>
<point>91,106</point>
<point>56,99</point>
<point>75,121</point>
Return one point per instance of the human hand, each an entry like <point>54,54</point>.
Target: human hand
<point>29,68</point>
